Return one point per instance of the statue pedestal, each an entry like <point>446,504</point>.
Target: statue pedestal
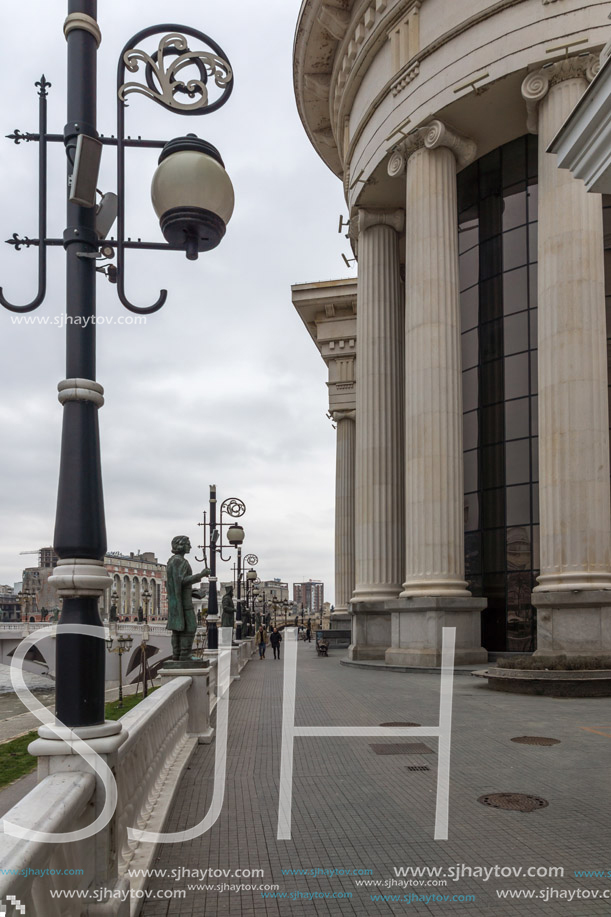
<point>198,698</point>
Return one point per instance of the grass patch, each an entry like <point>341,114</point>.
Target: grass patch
<point>559,663</point>
<point>16,762</point>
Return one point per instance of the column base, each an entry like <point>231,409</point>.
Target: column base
<point>417,630</point>
<point>574,623</point>
<point>371,630</point>
<point>340,619</point>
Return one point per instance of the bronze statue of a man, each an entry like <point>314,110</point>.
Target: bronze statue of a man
<point>228,616</point>
<point>181,616</point>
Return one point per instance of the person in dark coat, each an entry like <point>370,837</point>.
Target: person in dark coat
<point>309,632</point>
<point>276,639</point>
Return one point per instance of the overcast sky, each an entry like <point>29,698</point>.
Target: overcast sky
<point>224,385</point>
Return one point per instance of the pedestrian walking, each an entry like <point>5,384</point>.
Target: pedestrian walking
<point>261,640</point>
<point>275,640</point>
<point>309,632</point>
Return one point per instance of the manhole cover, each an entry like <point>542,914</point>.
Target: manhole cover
<point>415,748</point>
<point>535,740</point>
<point>400,724</point>
<point>513,802</point>
<point>418,767</point>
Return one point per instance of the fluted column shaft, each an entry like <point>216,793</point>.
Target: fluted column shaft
<point>574,488</point>
<point>344,510</point>
<point>379,411</point>
<point>433,415</point>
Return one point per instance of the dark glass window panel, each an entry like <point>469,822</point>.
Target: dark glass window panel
<point>515,291</point>
<point>468,236</point>
<point>536,548</point>
<point>533,242</point>
<point>535,496</point>
<point>517,419</point>
<point>489,173</point>
<point>606,213</point>
<point>471,510</point>
<point>534,372</point>
<point>518,505</point>
<point>492,382</point>
<point>469,268</point>
<point>520,616</point>
<point>469,309</point>
<point>475,586</point>
<point>533,203</point>
<point>516,376</point>
<point>470,349</point>
<point>515,252</point>
<point>491,257</point>
<point>494,550</point>
<point>491,335</point>
<point>519,591</point>
<point>470,426</point>
<point>515,333</point>
<point>535,457</point>
<point>473,553</point>
<point>493,508</point>
<point>608,305</point>
<point>533,294</point>
<point>492,466</point>
<point>468,189</point>
<point>470,471</point>
<point>514,209</point>
<point>532,156</point>
<point>534,416</point>
<point>519,552</point>
<point>470,390</point>
<point>534,328</point>
<point>493,430</point>
<point>517,459</point>
<point>514,161</point>
<point>491,299</point>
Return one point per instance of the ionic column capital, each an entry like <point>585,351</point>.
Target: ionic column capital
<point>338,416</point>
<point>393,218</point>
<point>432,136</point>
<point>538,83</point>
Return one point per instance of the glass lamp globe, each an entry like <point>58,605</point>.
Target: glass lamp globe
<point>235,535</point>
<point>192,195</point>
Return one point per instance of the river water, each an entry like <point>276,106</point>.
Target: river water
<point>10,705</point>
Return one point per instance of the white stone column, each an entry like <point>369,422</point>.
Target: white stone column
<point>434,591</point>
<point>433,415</point>
<point>379,432</point>
<point>575,529</point>
<point>344,517</point>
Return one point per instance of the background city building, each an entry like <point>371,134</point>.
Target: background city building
<point>309,597</point>
<point>133,574</point>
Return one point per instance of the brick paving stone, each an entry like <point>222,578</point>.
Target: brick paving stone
<point>353,809</point>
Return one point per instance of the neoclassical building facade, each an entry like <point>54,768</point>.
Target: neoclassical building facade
<point>473,485</point>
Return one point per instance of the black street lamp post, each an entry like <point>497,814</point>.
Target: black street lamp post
<point>213,539</point>
<point>193,198</point>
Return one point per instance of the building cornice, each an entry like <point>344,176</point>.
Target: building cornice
<point>583,144</point>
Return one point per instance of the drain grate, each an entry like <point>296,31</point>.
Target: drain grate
<point>418,767</point>
<point>513,802</point>
<point>400,724</point>
<point>415,748</point>
<point>535,740</point>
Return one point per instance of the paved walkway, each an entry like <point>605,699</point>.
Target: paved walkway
<point>356,810</point>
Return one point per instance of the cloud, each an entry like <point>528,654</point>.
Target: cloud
<point>224,384</point>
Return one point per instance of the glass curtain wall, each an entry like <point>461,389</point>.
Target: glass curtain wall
<point>498,291</point>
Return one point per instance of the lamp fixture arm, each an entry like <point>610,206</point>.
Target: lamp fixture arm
<point>43,85</point>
